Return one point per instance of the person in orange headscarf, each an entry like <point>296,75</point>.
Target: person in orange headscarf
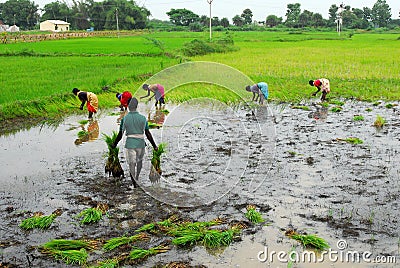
<point>323,85</point>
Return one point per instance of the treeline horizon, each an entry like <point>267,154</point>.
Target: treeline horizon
<point>127,15</point>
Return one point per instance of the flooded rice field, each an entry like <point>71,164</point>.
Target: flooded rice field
<point>297,166</point>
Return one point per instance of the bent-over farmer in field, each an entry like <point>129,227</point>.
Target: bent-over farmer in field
<point>322,84</point>
<point>124,98</point>
<point>91,100</point>
<point>136,127</point>
<point>158,91</point>
<point>260,91</point>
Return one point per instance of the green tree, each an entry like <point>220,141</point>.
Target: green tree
<point>332,15</point>
<point>224,22</point>
<point>247,16</point>
<point>22,13</point>
<point>56,11</point>
<point>204,20</point>
<point>272,21</point>
<point>317,20</point>
<point>215,21</point>
<point>305,18</point>
<point>238,21</point>
<point>381,14</point>
<point>182,17</point>
<point>292,15</point>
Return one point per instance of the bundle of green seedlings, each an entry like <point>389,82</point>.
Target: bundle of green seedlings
<point>140,253</point>
<point>253,215</point>
<point>124,240</point>
<point>155,227</point>
<point>91,215</point>
<point>82,134</point>
<point>308,241</point>
<point>113,166</point>
<point>69,251</point>
<point>153,125</point>
<point>156,159</point>
<point>39,221</point>
<point>109,263</point>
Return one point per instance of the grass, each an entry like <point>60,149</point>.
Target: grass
<point>253,215</point>
<point>379,121</point>
<point>38,221</point>
<point>83,122</point>
<point>308,241</point>
<point>113,165</point>
<point>336,109</point>
<point>82,133</point>
<point>352,140</point>
<point>305,108</point>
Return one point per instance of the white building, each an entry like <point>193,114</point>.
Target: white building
<point>54,26</point>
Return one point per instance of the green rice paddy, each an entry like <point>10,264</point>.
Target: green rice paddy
<point>37,78</point>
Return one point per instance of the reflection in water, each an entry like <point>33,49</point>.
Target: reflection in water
<point>91,134</point>
<point>158,117</point>
<point>320,114</point>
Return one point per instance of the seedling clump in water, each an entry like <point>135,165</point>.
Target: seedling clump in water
<point>113,166</point>
<point>253,215</point>
<point>308,241</point>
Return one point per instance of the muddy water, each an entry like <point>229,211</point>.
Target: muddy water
<point>292,164</point>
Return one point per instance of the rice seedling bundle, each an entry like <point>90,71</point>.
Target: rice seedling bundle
<point>253,215</point>
<point>38,221</point>
<point>147,227</point>
<point>155,171</point>
<point>113,166</point>
<point>120,241</point>
<point>309,241</point>
<point>186,237</point>
<point>140,253</point>
<point>63,244</point>
<point>379,122</point>
<point>90,215</point>
<point>71,256</point>
<point>110,263</point>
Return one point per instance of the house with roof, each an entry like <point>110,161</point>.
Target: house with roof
<point>54,26</point>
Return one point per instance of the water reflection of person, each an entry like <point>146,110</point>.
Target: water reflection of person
<point>321,113</point>
<point>92,133</point>
<point>158,117</point>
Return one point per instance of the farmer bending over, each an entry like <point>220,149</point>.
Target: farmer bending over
<point>124,99</point>
<point>91,100</point>
<point>158,91</point>
<point>323,85</point>
<point>259,90</point>
<point>135,126</point>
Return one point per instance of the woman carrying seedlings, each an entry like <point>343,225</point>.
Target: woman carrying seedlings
<point>91,100</point>
<point>135,127</point>
<point>323,85</point>
<point>124,98</point>
<point>260,90</point>
<point>158,91</point>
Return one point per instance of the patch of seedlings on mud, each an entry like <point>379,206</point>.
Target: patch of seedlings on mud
<point>352,140</point>
<point>369,110</point>
<point>358,118</point>
<point>336,102</point>
<point>124,240</point>
<point>305,108</point>
<point>253,215</point>
<point>164,111</point>
<point>82,134</point>
<point>379,121</point>
<point>308,241</point>
<point>109,263</point>
<point>336,109</point>
<point>390,105</point>
<point>39,221</point>
<point>153,125</point>
<point>83,122</point>
<point>113,166</point>
<point>92,215</point>
<point>377,103</point>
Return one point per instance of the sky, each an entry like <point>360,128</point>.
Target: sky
<point>260,8</point>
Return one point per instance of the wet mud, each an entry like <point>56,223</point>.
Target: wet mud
<point>294,165</point>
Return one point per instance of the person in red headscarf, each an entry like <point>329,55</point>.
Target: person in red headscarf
<point>124,98</point>
<point>323,85</point>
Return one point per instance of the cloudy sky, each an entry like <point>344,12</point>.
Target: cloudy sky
<point>260,8</point>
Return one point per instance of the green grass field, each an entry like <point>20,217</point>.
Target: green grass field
<point>363,66</point>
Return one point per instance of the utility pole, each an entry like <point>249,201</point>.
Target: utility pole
<point>210,2</point>
<point>116,15</point>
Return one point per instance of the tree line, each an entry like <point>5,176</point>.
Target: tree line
<point>128,15</point>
